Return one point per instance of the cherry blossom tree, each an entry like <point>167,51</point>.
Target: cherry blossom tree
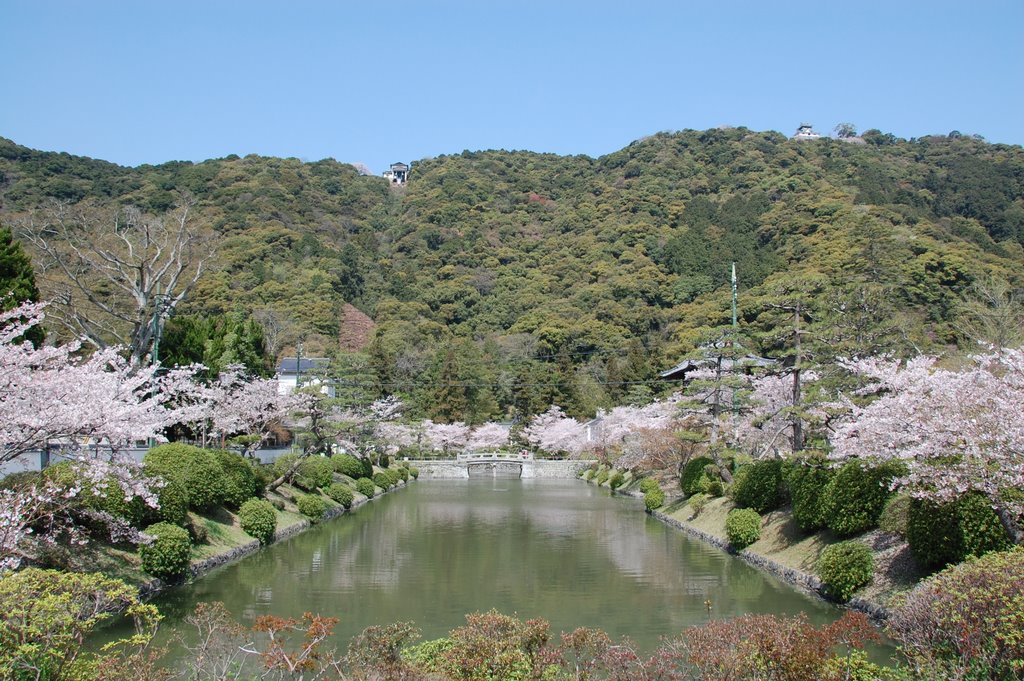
<point>488,436</point>
<point>247,406</point>
<point>957,430</point>
<point>445,437</point>
<point>555,432</point>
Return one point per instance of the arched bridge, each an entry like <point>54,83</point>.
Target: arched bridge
<point>498,464</point>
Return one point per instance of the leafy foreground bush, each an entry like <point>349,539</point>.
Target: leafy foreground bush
<point>760,486</point>
<point>492,646</point>
<point>616,480</point>
<point>383,480</point>
<point>414,472</point>
<point>46,616</point>
<point>966,622</point>
<point>854,499</point>
<point>846,567</point>
<point>602,477</point>
<point>312,506</point>
<point>647,484</point>
<point>366,487</point>
<point>341,493</point>
<point>241,481</point>
<point>167,556</point>
<point>692,472</point>
<point>654,499</point>
<point>943,534</point>
<point>743,527</point>
<point>198,470</point>
<point>258,519</point>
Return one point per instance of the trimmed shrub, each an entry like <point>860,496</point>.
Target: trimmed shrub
<point>393,476</point>
<point>240,479</point>
<point>258,519</point>
<point>111,499</point>
<point>316,472</point>
<point>711,485</point>
<point>366,487</point>
<point>616,479</point>
<point>173,500</point>
<point>197,469</point>
<point>403,473</point>
<point>846,567</point>
<point>896,515</point>
<point>341,493</point>
<point>941,534</point>
<point>743,527</point>
<point>587,474</point>
<point>167,556</point>
<point>414,472</point>
<point>761,486</point>
<point>692,472</point>
<point>807,479</point>
<point>654,499</point>
<point>698,502</point>
<point>346,464</point>
<point>312,506</point>
<point>853,500</point>
<point>382,480</point>
<point>602,477</point>
<point>647,484</point>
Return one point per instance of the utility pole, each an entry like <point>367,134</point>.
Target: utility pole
<point>734,296</point>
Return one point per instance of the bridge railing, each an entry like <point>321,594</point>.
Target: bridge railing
<point>468,457</point>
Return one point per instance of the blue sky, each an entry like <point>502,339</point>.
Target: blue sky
<point>376,82</point>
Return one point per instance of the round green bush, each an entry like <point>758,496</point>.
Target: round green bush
<point>711,485</point>
<point>647,484</point>
<point>346,464</point>
<point>743,527</point>
<point>172,500</point>
<point>654,499</point>
<point>240,479</point>
<point>382,480</point>
<point>366,487</point>
<point>258,519</point>
<point>312,506</point>
<point>341,493</point>
<point>760,486</point>
<point>942,534</point>
<point>616,479</point>
<point>846,567</point>
<point>692,472</point>
<point>587,474</point>
<point>403,473</point>
<point>806,479</point>
<point>414,472</point>
<point>167,556</point>
<point>853,499</point>
<point>602,477</point>
<point>393,477</point>
<point>110,498</point>
<point>697,502</point>
<point>317,472</point>
<point>197,469</point>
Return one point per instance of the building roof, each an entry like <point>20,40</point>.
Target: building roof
<point>291,365</point>
<point>399,166</point>
<point>748,361</point>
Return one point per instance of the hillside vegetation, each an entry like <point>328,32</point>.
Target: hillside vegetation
<point>501,282</point>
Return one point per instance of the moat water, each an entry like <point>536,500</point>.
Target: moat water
<point>562,550</point>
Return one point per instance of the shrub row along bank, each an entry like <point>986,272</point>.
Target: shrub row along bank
<point>211,504</point>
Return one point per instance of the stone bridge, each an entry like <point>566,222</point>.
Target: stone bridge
<point>498,464</point>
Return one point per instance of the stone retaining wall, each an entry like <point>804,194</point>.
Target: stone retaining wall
<point>548,469</point>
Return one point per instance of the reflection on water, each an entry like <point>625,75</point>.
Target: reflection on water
<point>561,550</point>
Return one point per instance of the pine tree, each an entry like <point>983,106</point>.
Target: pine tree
<point>17,279</point>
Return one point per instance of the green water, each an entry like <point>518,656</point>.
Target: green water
<point>561,550</point>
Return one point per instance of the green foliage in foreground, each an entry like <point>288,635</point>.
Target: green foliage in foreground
<point>742,527</point>
<point>168,555</point>
<point>966,622</point>
<point>46,616</point>
<point>258,519</point>
<point>845,567</point>
<point>646,484</point>
<point>616,480</point>
<point>346,464</point>
<point>241,482</point>
<point>692,472</point>
<point>806,480</point>
<point>760,486</point>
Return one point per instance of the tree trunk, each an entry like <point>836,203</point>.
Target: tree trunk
<point>288,474</point>
<point>798,426</point>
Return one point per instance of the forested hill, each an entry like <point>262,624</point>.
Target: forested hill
<point>515,279</point>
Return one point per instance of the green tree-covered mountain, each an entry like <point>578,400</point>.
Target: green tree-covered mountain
<point>502,281</point>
